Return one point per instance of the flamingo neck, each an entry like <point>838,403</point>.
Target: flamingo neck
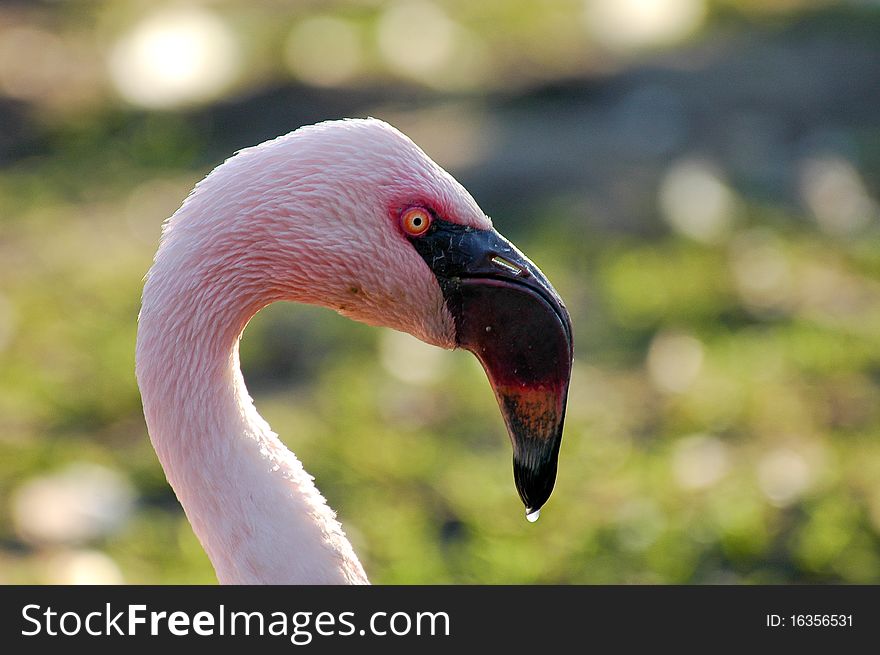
<point>255,510</point>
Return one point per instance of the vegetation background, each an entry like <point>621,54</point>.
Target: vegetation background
<point>699,178</point>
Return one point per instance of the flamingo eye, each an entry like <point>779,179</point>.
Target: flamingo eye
<point>415,221</point>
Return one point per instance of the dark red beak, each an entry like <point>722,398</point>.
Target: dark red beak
<point>509,315</point>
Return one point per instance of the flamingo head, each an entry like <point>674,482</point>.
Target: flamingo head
<point>354,216</point>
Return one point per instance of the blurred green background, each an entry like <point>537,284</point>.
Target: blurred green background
<point>699,179</point>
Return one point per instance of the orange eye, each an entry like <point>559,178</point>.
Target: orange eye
<point>415,221</point>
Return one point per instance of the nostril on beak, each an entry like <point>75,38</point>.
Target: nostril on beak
<point>509,266</point>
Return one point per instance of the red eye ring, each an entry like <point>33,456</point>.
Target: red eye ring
<point>415,221</point>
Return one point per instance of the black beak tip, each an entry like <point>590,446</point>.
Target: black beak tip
<point>534,481</point>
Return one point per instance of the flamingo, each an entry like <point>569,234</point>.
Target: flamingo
<point>353,216</point>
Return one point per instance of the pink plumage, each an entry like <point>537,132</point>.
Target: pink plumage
<point>309,217</point>
<point>276,222</point>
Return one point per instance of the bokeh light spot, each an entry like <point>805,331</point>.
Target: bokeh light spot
<point>174,57</point>
<point>696,201</point>
<point>416,38</point>
<point>83,567</point>
<point>32,62</point>
<point>635,24</point>
<point>674,361</point>
<point>761,272</point>
<point>699,461</point>
<point>834,192</point>
<point>410,360</point>
<point>324,51</point>
<point>79,503</point>
<point>784,475</point>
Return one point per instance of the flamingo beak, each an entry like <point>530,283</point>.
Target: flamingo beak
<point>508,314</point>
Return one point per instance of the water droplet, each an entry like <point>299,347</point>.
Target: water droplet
<point>533,516</point>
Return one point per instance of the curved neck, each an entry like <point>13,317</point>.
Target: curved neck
<point>255,510</point>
